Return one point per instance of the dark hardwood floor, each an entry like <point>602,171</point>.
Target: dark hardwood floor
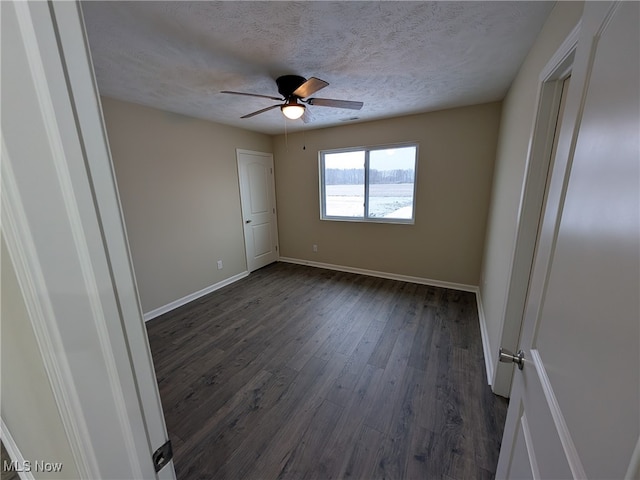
<point>303,373</point>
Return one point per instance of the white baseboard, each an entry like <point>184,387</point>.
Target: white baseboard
<point>486,349</point>
<point>193,296</point>
<point>13,451</point>
<point>390,276</point>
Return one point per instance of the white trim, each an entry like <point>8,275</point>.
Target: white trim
<point>484,333</point>
<point>532,194</point>
<point>87,108</point>
<point>22,253</point>
<point>253,152</point>
<point>488,359</point>
<point>365,218</point>
<point>83,347</point>
<point>391,276</point>
<point>193,296</point>
<point>564,51</point>
<point>570,451</point>
<point>14,452</point>
<point>74,43</point>
<point>633,471</point>
<point>81,243</point>
<point>528,441</point>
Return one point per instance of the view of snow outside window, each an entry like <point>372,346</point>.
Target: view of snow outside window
<point>391,183</point>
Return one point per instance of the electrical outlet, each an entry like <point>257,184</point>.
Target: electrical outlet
<point>315,247</point>
<point>219,264</point>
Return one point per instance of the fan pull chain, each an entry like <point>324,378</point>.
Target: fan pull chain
<point>286,137</point>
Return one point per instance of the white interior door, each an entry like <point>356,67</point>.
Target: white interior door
<point>258,199</point>
<point>575,406</point>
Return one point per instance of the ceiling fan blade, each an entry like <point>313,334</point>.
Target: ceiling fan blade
<point>253,95</point>
<point>310,87</point>
<point>261,111</point>
<point>328,102</point>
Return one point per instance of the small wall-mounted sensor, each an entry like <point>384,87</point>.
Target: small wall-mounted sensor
<point>219,264</point>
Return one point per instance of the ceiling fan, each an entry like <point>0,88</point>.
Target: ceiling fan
<point>295,91</point>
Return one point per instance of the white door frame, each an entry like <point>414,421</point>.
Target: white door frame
<point>532,196</point>
<point>91,124</point>
<point>597,16</point>
<point>65,235</point>
<point>240,151</point>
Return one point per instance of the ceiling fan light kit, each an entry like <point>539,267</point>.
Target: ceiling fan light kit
<point>294,88</point>
<point>292,110</point>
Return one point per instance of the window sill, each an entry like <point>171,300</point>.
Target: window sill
<point>393,221</point>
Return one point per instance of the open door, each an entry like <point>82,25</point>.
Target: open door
<point>575,401</point>
<point>65,235</point>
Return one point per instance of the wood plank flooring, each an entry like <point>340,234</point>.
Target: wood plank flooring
<point>302,373</point>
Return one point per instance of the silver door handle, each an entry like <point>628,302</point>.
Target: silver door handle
<point>247,221</point>
<point>507,356</point>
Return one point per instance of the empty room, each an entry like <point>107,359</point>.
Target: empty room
<point>328,240</point>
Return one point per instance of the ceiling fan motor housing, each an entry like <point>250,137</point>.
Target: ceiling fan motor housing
<point>295,88</point>
<point>287,84</point>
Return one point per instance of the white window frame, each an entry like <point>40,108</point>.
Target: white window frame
<point>366,218</point>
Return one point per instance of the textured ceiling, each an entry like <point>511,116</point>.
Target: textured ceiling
<point>396,57</point>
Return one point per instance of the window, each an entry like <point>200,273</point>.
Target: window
<point>371,184</point>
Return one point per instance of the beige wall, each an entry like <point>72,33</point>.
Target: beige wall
<point>518,115</point>
<point>178,184</point>
<point>27,403</point>
<point>456,154</point>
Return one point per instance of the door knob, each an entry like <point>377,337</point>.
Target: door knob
<point>507,356</point>
<point>247,221</point>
